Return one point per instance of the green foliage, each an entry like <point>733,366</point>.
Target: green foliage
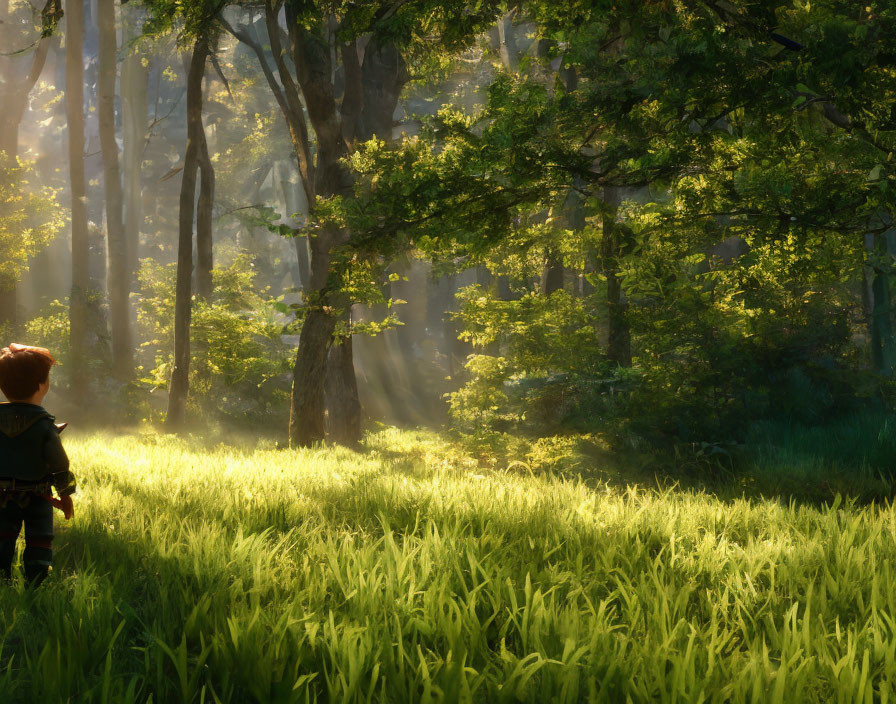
<point>29,219</point>
<point>481,405</point>
<point>239,363</point>
<point>229,574</point>
<point>548,350</point>
<point>50,329</point>
<point>710,132</point>
<point>540,334</point>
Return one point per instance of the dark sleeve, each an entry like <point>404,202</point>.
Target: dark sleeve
<point>57,464</point>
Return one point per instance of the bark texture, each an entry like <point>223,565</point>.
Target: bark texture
<point>367,105</point>
<point>341,393</point>
<point>554,273</point>
<point>204,258</point>
<point>180,374</point>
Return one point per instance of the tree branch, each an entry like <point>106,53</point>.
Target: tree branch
<point>295,120</point>
<point>295,116</point>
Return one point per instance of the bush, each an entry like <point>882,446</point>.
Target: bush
<point>239,367</point>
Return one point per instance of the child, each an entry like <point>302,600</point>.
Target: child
<point>31,461</point>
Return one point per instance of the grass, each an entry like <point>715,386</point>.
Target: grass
<point>855,454</point>
<point>407,574</point>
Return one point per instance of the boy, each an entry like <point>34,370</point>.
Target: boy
<point>31,461</point>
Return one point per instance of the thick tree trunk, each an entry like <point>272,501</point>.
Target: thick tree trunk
<point>335,129</point>
<point>618,333</point>
<point>180,374</point>
<point>381,76</point>
<point>9,136</point>
<point>118,275</point>
<point>306,419</point>
<point>204,257</point>
<point>307,422</point>
<point>307,405</point>
<point>314,70</point>
<point>343,406</point>
<point>74,106</point>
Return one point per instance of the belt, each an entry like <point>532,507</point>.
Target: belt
<point>23,485</point>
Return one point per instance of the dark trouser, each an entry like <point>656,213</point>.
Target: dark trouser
<point>37,515</point>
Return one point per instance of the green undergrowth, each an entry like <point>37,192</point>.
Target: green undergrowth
<point>410,573</point>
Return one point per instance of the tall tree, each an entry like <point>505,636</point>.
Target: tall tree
<point>74,106</point>
<point>118,270</point>
<point>180,374</point>
<point>204,248</point>
<point>302,80</point>
<point>134,80</point>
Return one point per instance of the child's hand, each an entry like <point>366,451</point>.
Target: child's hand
<point>68,510</point>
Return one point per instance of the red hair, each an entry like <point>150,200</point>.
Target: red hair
<point>23,369</point>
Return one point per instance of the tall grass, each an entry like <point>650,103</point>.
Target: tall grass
<point>404,574</point>
<point>855,454</point>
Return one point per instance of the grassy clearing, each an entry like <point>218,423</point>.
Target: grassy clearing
<point>405,574</point>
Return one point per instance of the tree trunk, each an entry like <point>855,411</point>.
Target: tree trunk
<point>296,204</point>
<point>553,273</point>
<point>314,70</point>
<point>74,106</point>
<point>883,344</point>
<point>134,81</point>
<point>14,91</point>
<point>618,333</point>
<point>335,128</point>
<point>381,76</point>
<point>118,276</point>
<point>343,406</point>
<point>180,374</point>
<point>306,418</point>
<point>204,256</point>
<point>507,42</point>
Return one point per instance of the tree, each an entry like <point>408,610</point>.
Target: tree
<point>119,275</point>
<point>707,106</point>
<point>29,218</point>
<point>14,92</point>
<point>74,107</point>
<point>134,78</point>
<point>180,374</point>
<point>374,41</point>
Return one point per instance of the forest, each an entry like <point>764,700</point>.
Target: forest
<point>416,351</point>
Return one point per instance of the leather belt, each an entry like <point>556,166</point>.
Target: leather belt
<point>23,485</point>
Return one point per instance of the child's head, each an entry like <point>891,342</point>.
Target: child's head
<point>24,371</point>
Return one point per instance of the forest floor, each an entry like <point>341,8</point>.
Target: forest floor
<point>405,572</point>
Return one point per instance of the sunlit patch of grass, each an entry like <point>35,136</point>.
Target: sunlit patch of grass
<point>408,573</point>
